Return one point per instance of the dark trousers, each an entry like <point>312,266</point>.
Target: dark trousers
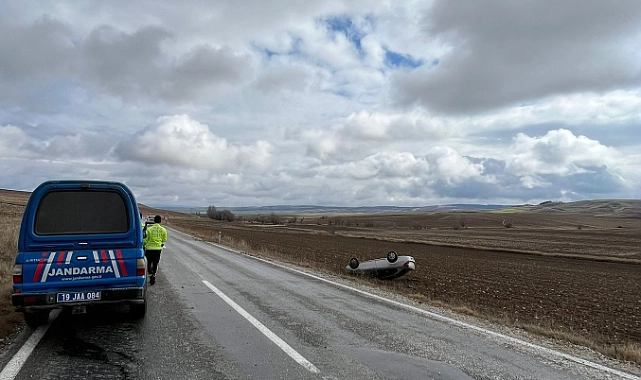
<point>153,257</point>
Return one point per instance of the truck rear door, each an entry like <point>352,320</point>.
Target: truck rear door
<point>81,236</point>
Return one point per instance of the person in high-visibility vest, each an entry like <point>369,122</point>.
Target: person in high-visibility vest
<point>153,243</point>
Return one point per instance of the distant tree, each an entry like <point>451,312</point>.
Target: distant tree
<point>227,216</point>
<point>274,219</point>
<point>224,215</point>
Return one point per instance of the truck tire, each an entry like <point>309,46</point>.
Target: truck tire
<point>138,310</point>
<point>35,319</point>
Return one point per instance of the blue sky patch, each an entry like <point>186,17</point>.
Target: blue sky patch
<point>269,53</point>
<point>344,25</point>
<point>294,50</point>
<point>394,59</point>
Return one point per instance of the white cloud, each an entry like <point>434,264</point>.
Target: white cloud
<point>363,133</point>
<point>439,164</point>
<point>364,125</point>
<point>388,165</point>
<point>558,152</point>
<point>452,167</point>
<point>180,141</point>
<point>321,146</point>
<point>531,182</point>
<point>13,142</point>
<point>331,49</point>
<point>374,51</point>
<point>278,80</point>
<point>611,108</point>
<point>27,142</point>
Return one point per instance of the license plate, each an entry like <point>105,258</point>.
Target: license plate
<point>79,296</point>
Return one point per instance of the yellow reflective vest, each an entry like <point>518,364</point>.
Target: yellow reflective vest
<point>156,237</point>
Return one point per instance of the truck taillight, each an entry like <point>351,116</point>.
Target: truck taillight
<point>17,274</point>
<point>141,267</point>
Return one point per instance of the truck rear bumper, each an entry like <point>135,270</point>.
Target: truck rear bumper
<point>47,301</point>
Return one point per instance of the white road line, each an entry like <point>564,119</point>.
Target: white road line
<point>10,371</point>
<point>267,332</point>
<point>452,321</point>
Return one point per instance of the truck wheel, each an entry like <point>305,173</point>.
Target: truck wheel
<point>35,319</point>
<point>392,256</point>
<point>138,310</point>
<point>353,263</point>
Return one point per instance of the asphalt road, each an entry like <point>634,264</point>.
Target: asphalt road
<point>217,314</point>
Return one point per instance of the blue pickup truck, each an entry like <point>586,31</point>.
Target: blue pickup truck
<point>80,244</point>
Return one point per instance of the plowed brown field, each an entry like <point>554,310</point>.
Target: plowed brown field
<point>544,271</point>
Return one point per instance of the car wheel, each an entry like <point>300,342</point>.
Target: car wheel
<point>353,263</point>
<point>392,256</point>
<point>34,319</point>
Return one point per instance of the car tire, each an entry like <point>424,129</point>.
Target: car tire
<point>353,263</point>
<point>36,319</point>
<point>392,256</point>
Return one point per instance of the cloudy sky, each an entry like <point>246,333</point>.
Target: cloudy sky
<point>347,103</point>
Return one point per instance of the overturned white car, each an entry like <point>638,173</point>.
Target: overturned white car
<point>393,266</point>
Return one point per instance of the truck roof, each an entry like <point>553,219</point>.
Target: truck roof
<point>63,213</point>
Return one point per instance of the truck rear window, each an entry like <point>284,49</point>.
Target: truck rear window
<point>81,212</point>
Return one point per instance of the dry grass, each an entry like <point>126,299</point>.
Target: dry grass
<point>10,216</point>
<point>629,352</point>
